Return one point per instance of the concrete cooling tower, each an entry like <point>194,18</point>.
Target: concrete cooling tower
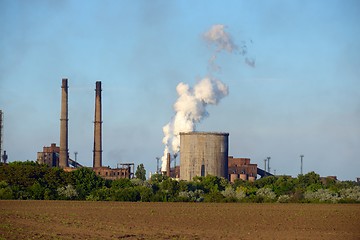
<point>203,153</point>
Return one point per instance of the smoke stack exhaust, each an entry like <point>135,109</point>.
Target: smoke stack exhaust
<point>97,158</point>
<point>168,165</point>
<point>64,150</point>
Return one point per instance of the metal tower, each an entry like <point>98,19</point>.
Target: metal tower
<point>301,164</point>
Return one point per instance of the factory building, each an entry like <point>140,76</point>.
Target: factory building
<point>203,153</point>
<point>58,156</point>
<point>125,171</point>
<point>49,156</point>
<point>241,168</point>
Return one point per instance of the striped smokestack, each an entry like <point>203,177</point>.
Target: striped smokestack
<point>64,150</point>
<point>97,159</point>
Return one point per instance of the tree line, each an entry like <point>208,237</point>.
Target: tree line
<point>30,180</point>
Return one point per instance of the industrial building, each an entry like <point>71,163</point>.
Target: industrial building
<point>51,157</point>
<point>241,168</point>
<point>58,156</point>
<point>203,153</point>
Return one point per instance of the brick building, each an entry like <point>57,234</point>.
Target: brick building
<point>115,173</point>
<point>49,155</point>
<point>241,168</point>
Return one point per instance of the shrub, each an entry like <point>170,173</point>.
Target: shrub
<point>146,193</point>
<point>67,192</point>
<point>191,196</point>
<point>350,194</point>
<point>240,193</point>
<point>266,194</point>
<point>101,194</point>
<point>284,199</point>
<point>5,191</point>
<point>229,192</point>
<point>322,195</point>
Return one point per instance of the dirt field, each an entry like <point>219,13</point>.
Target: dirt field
<point>119,220</point>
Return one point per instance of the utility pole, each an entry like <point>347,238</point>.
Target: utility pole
<point>301,165</point>
<point>268,158</point>
<point>76,153</point>
<point>265,164</point>
<point>1,132</point>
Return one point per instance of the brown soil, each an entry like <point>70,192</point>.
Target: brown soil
<point>120,220</point>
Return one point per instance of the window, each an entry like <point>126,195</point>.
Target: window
<point>203,170</point>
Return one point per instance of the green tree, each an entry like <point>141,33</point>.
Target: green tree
<point>308,179</point>
<point>121,183</point>
<point>170,188</point>
<point>5,190</point>
<point>85,181</point>
<point>140,172</point>
<point>284,185</point>
<point>210,183</point>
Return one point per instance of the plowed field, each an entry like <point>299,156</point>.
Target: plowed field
<point>123,220</point>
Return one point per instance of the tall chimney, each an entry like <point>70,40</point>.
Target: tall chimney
<point>97,159</point>
<point>168,165</point>
<point>64,150</point>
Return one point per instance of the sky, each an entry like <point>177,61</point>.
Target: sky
<point>302,96</point>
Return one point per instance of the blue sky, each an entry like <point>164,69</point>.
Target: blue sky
<point>302,97</point>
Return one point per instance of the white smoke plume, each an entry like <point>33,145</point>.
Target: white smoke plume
<point>190,107</point>
<point>222,41</point>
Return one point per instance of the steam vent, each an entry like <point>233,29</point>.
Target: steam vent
<point>203,153</point>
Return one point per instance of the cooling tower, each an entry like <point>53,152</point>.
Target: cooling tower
<point>97,157</point>
<point>203,153</point>
<point>64,149</point>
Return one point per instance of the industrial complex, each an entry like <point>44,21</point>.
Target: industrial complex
<point>58,156</point>
<point>201,153</point>
<point>206,153</point>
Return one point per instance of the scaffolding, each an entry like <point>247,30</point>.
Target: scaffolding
<point>129,166</point>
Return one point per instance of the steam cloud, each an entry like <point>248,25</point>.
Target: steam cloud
<point>190,107</point>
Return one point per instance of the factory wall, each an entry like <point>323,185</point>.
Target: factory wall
<point>203,153</point>
<point>113,173</point>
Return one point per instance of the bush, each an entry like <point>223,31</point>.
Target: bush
<point>229,193</point>
<point>126,195</point>
<point>350,194</point>
<point>68,192</point>
<point>284,199</point>
<point>322,195</point>
<point>266,194</point>
<point>5,191</point>
<point>240,193</point>
<point>101,194</point>
<point>146,193</point>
